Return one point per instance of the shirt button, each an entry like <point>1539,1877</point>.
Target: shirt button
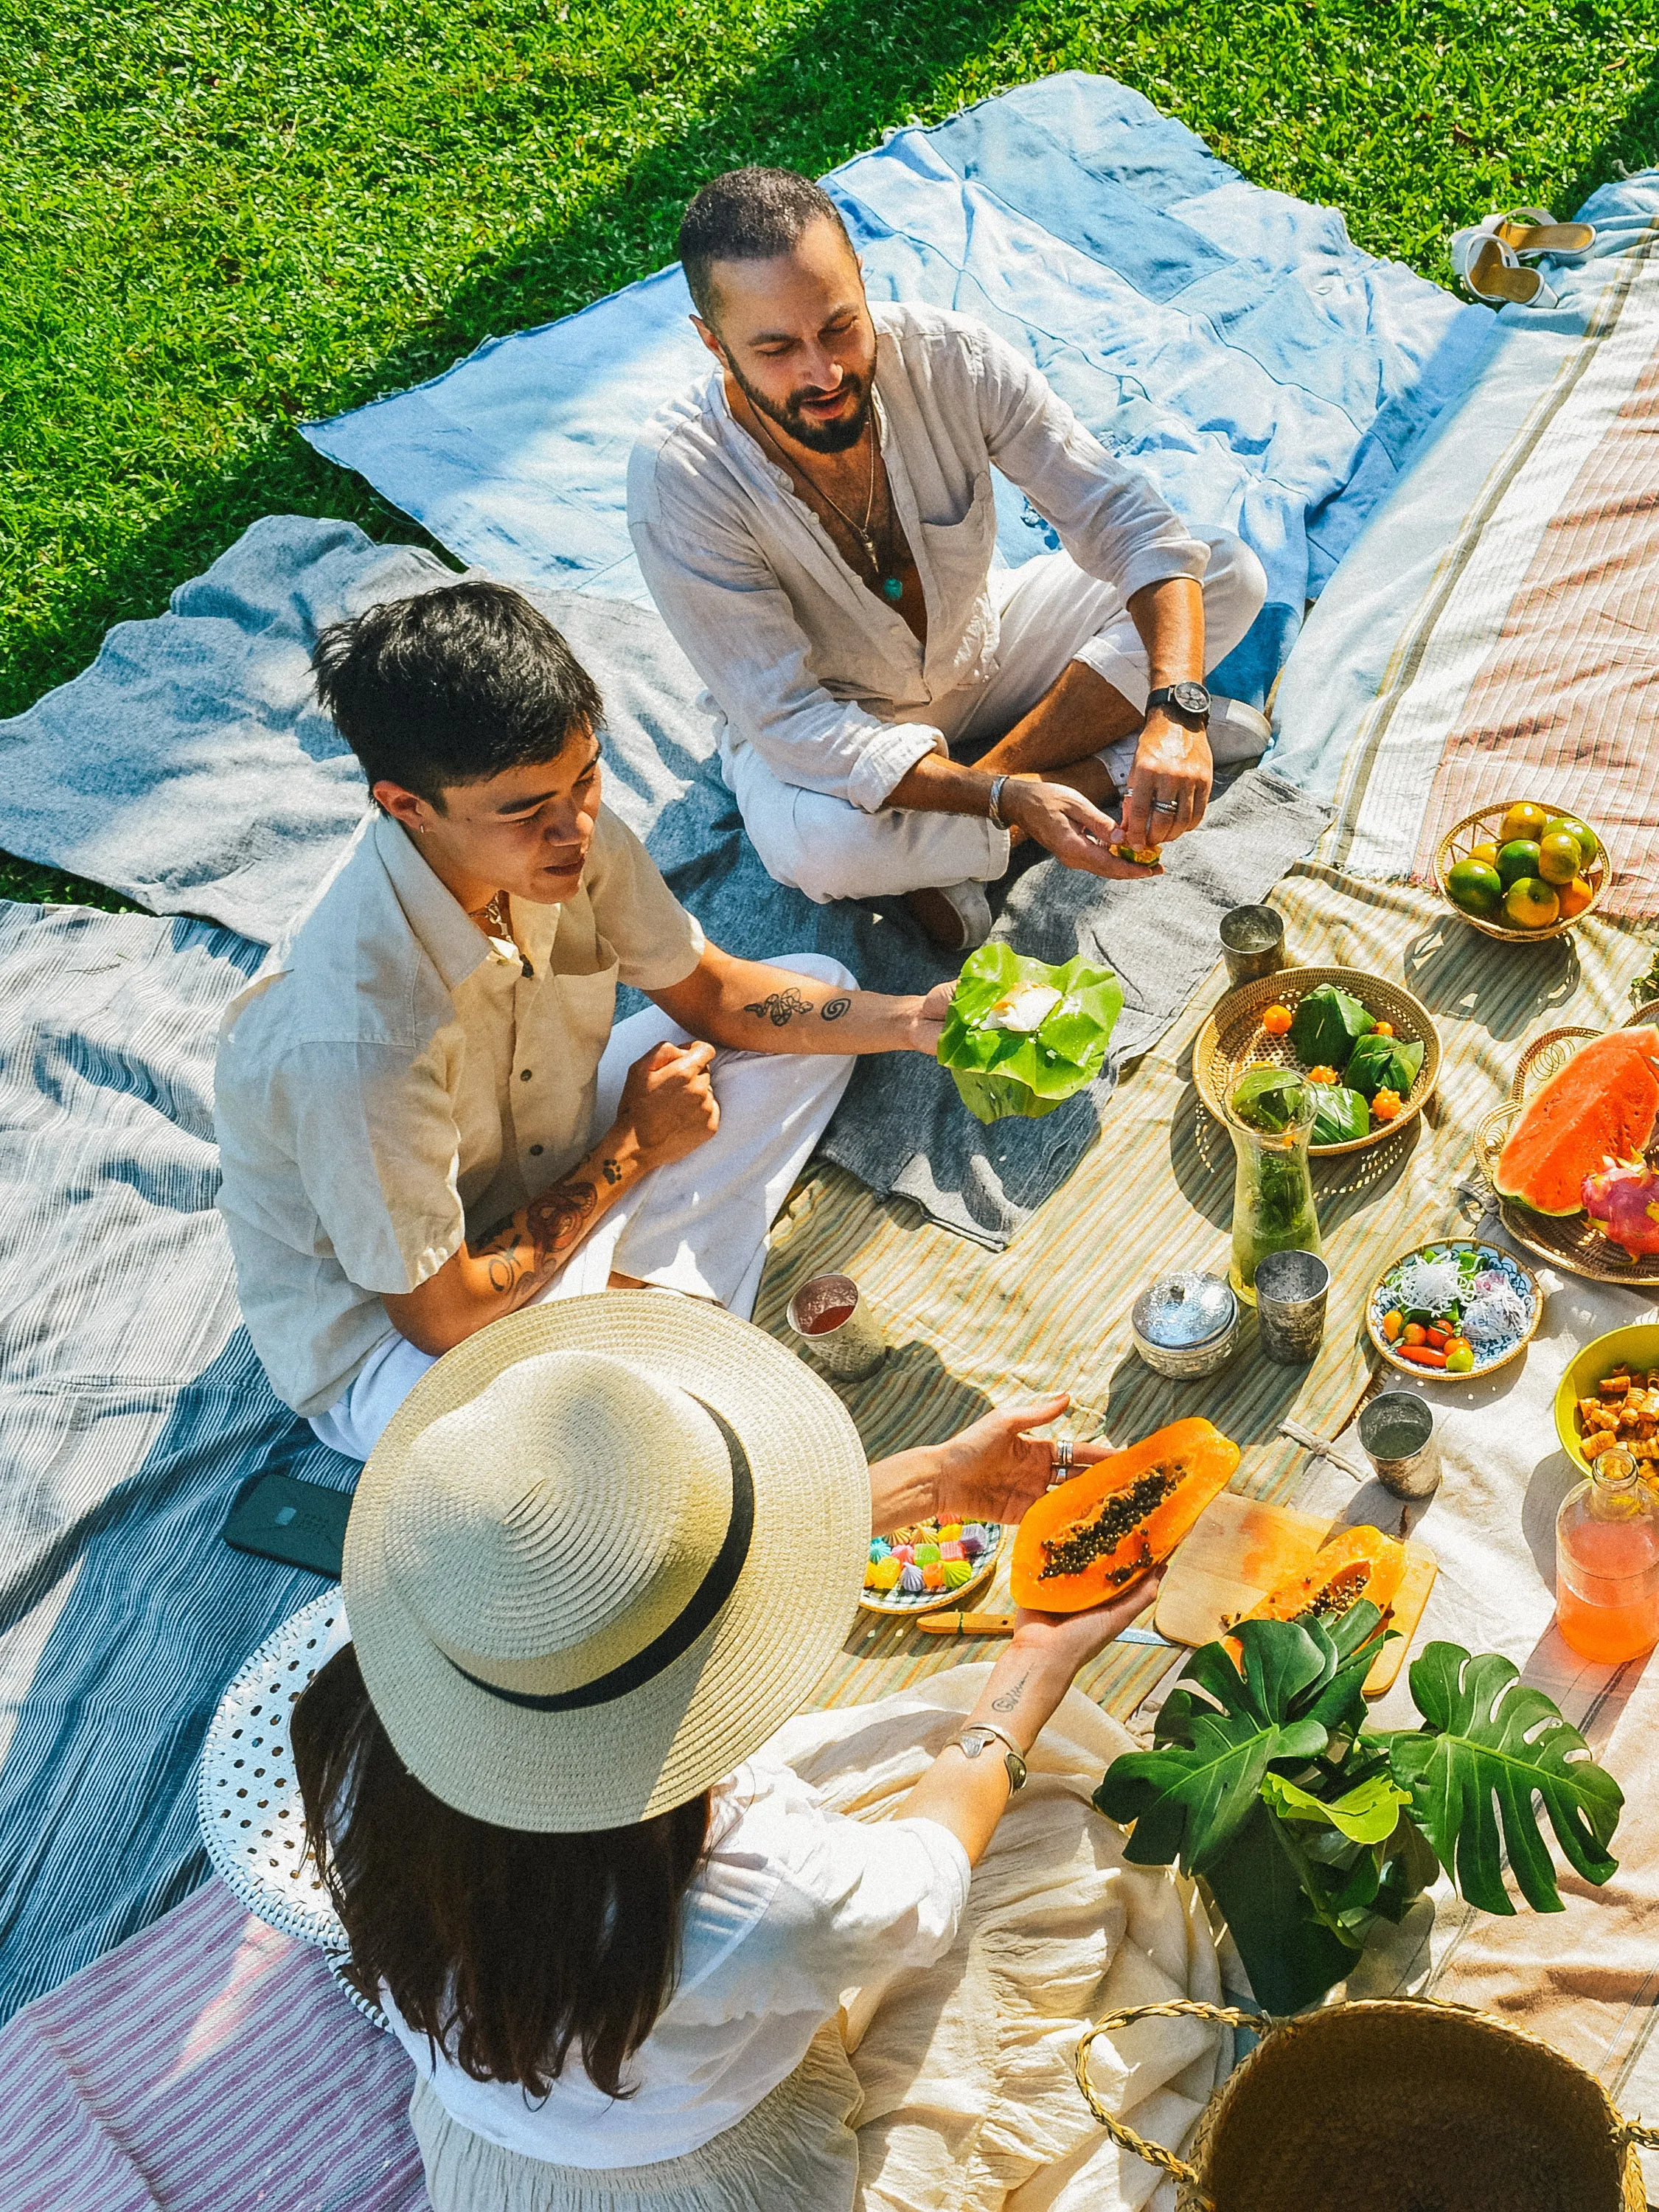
<point>523,1075</point>
<point>535,1151</point>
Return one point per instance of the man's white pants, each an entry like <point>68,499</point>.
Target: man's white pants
<point>1051,613</point>
<point>698,1225</point>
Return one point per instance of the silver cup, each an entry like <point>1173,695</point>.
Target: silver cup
<point>1396,1433</point>
<point>1252,943</point>
<point>1291,1291</point>
<point>843,1336</point>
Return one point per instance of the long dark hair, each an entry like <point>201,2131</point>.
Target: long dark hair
<point>508,1948</point>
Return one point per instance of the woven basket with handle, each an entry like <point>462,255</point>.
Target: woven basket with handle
<point>1396,2105</point>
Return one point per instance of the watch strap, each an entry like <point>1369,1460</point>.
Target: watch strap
<point>1167,694</point>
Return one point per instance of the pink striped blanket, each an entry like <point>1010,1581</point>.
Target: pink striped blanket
<point>207,2065</point>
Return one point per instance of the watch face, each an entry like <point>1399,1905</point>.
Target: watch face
<point>1191,698</point>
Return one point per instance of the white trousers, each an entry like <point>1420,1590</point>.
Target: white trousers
<point>698,1225</point>
<point>1051,613</point>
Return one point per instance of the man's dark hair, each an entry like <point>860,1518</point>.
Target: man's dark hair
<point>451,687</point>
<point>748,214</point>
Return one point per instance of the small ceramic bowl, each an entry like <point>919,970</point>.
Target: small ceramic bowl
<point>1634,1346</point>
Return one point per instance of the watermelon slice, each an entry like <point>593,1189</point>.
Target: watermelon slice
<point>1602,1106</point>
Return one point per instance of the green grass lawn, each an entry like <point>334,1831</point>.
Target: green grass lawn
<point>217,219</point>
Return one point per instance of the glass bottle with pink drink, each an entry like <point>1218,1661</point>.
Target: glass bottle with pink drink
<point>1606,1562</point>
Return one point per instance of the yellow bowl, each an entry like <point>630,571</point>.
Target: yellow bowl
<point>1634,1346</point>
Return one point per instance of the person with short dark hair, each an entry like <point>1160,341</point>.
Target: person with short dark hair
<point>426,1117</point>
<point>816,522</point>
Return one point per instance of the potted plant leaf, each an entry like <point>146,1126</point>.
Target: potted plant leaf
<point>1309,1827</point>
<point>1022,1037</point>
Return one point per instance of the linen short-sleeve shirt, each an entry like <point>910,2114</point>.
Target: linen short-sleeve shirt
<point>394,1082</point>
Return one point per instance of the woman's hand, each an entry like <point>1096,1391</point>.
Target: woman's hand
<point>994,1470</point>
<point>1069,1640</point>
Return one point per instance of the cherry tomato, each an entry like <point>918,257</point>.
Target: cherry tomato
<point>1415,1332</point>
<point>1392,1325</point>
<point>1437,1337</point>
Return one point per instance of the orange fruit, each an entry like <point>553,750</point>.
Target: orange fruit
<point>1486,851</point>
<point>1530,903</point>
<point>1572,898</point>
<point>1559,857</point>
<point>1524,819</point>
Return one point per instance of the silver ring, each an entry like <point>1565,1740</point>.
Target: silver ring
<point>1059,1460</point>
<point>1166,806</point>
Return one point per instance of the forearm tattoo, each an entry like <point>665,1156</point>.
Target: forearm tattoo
<point>521,1259</point>
<point>833,1009</point>
<point>780,1007</point>
<point>1008,1701</point>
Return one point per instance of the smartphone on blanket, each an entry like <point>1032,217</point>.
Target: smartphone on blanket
<point>303,1524</point>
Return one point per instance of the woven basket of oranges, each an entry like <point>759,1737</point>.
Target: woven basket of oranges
<point>1522,871</point>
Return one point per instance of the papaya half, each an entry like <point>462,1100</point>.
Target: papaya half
<point>1090,1537</point>
<point>1352,1564</point>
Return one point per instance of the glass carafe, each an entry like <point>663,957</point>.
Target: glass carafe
<point>1273,1196</point>
<point>1606,1562</point>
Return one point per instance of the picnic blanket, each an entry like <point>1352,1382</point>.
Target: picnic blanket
<point>191,768</point>
<point>1232,343</point>
<point>225,2016</point>
<point>1493,634</point>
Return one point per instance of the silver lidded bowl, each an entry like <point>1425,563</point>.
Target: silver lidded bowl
<point>1186,1324</point>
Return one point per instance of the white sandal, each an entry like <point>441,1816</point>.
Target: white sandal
<point>1492,274</point>
<point>1535,230</point>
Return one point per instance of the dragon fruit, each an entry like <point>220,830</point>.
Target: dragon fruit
<point>1623,1202</point>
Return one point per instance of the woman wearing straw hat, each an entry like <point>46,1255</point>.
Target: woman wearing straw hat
<point>603,1552</point>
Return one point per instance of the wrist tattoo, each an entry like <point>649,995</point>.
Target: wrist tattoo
<point>1008,1701</point>
<point>833,1009</point>
<point>778,1007</point>
<point>612,1172</point>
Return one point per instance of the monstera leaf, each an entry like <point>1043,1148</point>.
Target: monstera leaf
<point>1490,1745</point>
<point>1294,1684</point>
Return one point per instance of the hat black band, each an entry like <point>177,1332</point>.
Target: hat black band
<point>687,1625</point>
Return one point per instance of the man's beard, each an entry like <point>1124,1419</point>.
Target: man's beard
<point>817,437</point>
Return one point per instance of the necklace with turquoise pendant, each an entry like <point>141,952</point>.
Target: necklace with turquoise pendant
<point>891,587</point>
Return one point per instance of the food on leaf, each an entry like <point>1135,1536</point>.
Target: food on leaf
<point>1386,1105</point>
<point>1559,857</point>
<point>1572,898</point>
<point>1020,1036</point>
<point>1142,856</point>
<point>1325,1024</point>
<point>1623,1202</point>
<point>1515,860</point>
<point>1091,1536</point>
<point>1340,1116</point>
<point>1379,1064</point>
<point>1321,1075</point>
<point>1273,1099</point>
<point>1601,1106</point>
<point>1276,1020</point>
<point>1381,1029</point>
<point>1524,820</point>
<point>1350,1565</point>
<point>1529,903</point>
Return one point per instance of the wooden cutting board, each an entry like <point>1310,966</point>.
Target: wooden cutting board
<point>1240,1550</point>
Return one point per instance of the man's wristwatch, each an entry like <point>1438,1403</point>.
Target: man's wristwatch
<point>1188,702</point>
<point>973,1741</point>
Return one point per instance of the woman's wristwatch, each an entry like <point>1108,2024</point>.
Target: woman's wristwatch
<point>978,1735</point>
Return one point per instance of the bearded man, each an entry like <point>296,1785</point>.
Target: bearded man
<point>816,522</point>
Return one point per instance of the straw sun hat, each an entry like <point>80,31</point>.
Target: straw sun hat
<point>605,1548</point>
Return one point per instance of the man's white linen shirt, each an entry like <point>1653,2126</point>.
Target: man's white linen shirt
<point>802,661</point>
<point>393,1081</point>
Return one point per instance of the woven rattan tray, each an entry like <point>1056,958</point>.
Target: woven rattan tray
<point>1571,1241</point>
<point>1461,840</point>
<point>1233,1039</point>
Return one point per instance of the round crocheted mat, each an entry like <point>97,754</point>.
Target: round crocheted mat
<point>247,1800</point>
